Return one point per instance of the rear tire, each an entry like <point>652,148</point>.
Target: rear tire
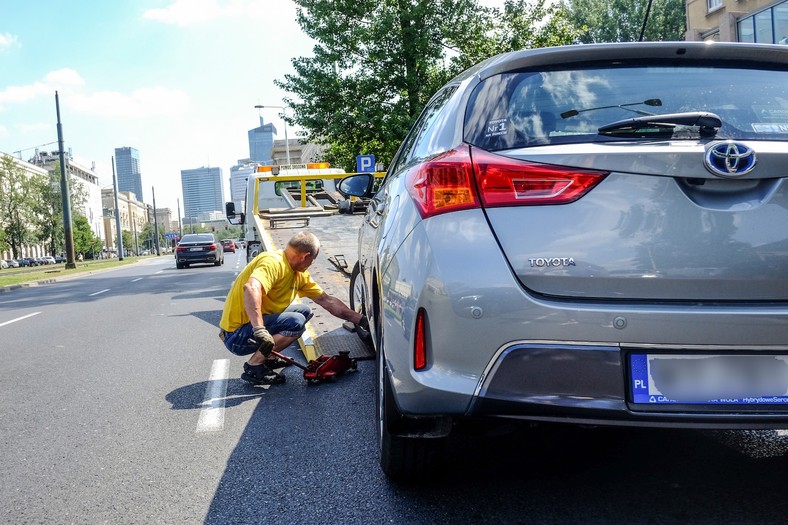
<point>402,458</point>
<point>357,303</point>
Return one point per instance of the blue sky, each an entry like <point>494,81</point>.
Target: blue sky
<point>176,79</point>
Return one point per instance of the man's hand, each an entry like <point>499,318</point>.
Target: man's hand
<point>362,330</point>
<point>263,339</point>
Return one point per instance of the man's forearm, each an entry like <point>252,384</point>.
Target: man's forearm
<point>252,301</point>
<point>339,309</point>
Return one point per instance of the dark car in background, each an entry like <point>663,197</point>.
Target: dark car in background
<point>228,245</point>
<point>198,248</point>
<point>589,234</point>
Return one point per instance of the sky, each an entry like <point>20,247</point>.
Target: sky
<point>176,79</point>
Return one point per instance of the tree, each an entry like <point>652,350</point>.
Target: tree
<point>48,208</point>
<point>85,241</point>
<point>128,242</point>
<point>622,20</point>
<point>377,62</point>
<point>147,237</point>
<point>17,198</point>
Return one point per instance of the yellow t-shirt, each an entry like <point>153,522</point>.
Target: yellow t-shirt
<point>280,284</point>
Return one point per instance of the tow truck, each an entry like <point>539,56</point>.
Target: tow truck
<point>287,195</point>
<point>281,198</point>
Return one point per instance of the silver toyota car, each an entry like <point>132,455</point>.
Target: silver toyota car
<point>590,234</point>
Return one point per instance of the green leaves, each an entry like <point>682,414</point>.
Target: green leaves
<point>622,20</point>
<point>376,63</point>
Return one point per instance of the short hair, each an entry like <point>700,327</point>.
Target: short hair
<point>305,242</point>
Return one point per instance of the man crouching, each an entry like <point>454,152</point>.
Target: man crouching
<point>259,315</point>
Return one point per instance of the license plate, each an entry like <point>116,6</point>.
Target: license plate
<point>709,379</point>
<point>195,249</point>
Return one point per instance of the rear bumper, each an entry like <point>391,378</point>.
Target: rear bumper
<point>200,258</point>
<point>588,384</point>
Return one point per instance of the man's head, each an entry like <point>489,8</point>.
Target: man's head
<point>302,250</point>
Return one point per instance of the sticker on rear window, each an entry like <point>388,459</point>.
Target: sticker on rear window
<point>761,127</point>
<point>497,127</point>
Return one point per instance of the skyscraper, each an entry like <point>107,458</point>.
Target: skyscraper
<point>261,142</point>
<point>127,165</point>
<point>203,192</point>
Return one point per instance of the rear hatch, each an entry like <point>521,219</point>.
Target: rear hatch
<point>668,209</point>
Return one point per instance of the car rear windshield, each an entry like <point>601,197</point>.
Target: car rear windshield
<point>531,108</point>
<point>197,238</point>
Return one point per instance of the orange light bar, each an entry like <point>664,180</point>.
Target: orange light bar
<point>318,165</point>
<point>261,169</point>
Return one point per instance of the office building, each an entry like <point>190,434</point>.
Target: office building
<point>760,21</point>
<point>127,168</point>
<point>203,192</point>
<point>261,142</point>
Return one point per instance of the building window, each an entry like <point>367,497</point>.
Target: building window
<point>763,27</point>
<point>781,23</point>
<point>714,4</point>
<point>746,30</point>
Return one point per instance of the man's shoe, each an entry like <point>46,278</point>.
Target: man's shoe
<point>261,375</point>
<point>277,362</point>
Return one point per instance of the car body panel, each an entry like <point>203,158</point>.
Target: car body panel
<point>667,258</point>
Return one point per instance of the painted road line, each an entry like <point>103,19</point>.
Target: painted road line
<point>100,292</point>
<point>137,279</point>
<point>212,415</point>
<point>19,318</point>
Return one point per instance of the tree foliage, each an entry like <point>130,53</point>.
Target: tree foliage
<point>85,241</point>
<point>377,62</point>
<point>622,20</point>
<point>17,201</point>
<point>31,208</point>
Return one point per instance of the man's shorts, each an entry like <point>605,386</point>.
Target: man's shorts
<point>290,323</point>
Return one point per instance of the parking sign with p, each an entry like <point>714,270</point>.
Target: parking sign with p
<point>365,163</point>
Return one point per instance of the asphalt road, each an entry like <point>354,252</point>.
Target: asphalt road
<point>109,413</point>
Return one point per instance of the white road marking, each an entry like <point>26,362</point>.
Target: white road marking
<point>100,292</point>
<point>19,318</point>
<point>137,279</point>
<point>212,416</point>
<point>160,271</point>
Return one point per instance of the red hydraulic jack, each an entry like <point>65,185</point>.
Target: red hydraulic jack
<point>324,367</point>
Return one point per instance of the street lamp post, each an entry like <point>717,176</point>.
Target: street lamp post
<point>287,143</point>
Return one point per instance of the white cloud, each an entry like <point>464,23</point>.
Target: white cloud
<point>3,131</point>
<point>7,41</point>
<point>141,103</point>
<point>32,128</point>
<point>65,77</point>
<point>19,94</point>
<point>193,12</point>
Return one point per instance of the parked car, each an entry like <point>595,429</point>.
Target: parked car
<point>48,259</point>
<point>12,263</point>
<point>228,245</point>
<point>3,264</point>
<point>26,261</point>
<point>198,248</point>
<point>590,234</point>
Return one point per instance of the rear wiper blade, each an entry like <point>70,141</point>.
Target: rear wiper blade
<point>649,102</point>
<point>708,124</point>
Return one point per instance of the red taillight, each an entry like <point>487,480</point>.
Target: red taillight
<point>180,248</point>
<point>510,182</point>
<point>212,247</point>
<point>443,184</point>
<point>420,342</point>
<point>449,182</point>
